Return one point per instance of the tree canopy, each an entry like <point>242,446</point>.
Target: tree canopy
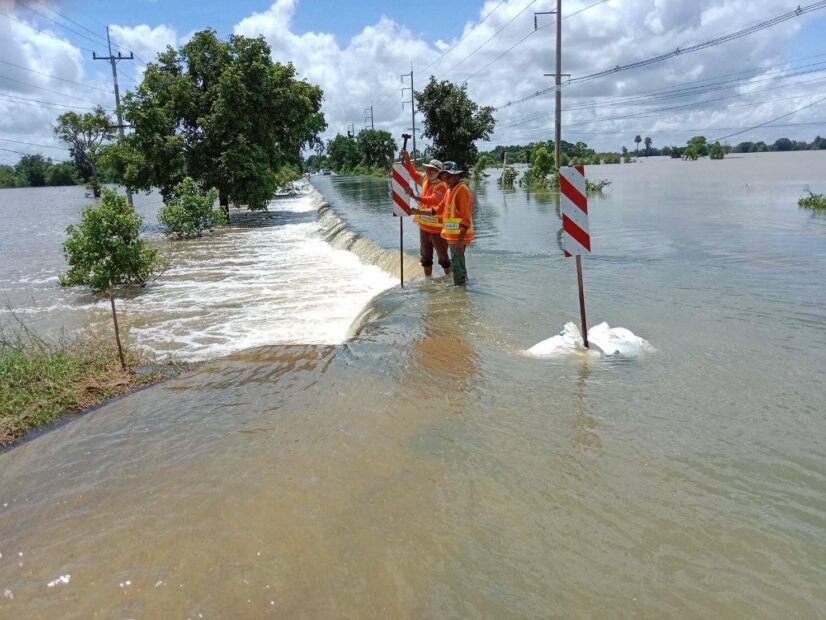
<point>453,121</point>
<point>223,113</point>
<point>85,134</point>
<point>105,249</point>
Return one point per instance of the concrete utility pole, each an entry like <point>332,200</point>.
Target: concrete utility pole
<point>412,103</point>
<point>351,131</point>
<point>113,60</point>
<point>370,116</point>
<point>558,82</point>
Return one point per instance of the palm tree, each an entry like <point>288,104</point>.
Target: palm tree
<point>647,145</point>
<point>637,140</point>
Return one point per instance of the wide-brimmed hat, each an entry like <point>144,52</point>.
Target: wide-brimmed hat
<point>451,167</point>
<point>434,163</point>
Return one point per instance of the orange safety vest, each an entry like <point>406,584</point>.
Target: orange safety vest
<point>452,224</point>
<point>428,223</point>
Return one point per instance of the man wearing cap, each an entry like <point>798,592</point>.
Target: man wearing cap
<point>428,216</point>
<point>457,211</point>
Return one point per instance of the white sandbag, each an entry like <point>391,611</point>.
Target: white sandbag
<point>603,340</point>
<point>616,341</point>
<point>565,342</point>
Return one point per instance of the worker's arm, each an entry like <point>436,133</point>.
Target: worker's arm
<point>408,165</point>
<point>435,198</point>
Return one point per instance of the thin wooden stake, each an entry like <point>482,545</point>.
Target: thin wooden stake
<point>581,300</point>
<point>117,331</point>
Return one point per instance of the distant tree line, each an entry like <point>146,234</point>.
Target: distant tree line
<point>38,171</point>
<point>370,153</point>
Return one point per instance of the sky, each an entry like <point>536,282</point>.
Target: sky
<point>357,51</point>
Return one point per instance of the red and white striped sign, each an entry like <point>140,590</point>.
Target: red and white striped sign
<point>575,239</point>
<point>399,180</point>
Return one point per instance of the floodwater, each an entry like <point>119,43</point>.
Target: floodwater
<point>424,467</point>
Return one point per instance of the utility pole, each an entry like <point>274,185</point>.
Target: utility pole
<point>412,103</point>
<point>113,60</point>
<point>558,153</point>
<point>351,131</point>
<point>370,110</point>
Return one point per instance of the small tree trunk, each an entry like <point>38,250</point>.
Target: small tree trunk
<point>117,330</point>
<point>223,200</point>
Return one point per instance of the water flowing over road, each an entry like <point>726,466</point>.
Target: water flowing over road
<point>424,467</point>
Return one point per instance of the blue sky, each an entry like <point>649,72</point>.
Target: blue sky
<point>429,19</point>
<point>356,51</point>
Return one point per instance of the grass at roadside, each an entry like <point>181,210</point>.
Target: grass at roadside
<point>41,381</point>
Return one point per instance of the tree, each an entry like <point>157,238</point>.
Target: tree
<point>105,251</point>
<point>716,151</point>
<point>783,144</point>
<point>32,169</point>
<point>343,154</point>
<point>62,173</point>
<point>454,121</point>
<point>377,148</point>
<point>85,135</point>
<point>190,212</point>
<point>10,178</point>
<point>819,143</point>
<point>624,151</point>
<point>637,140</point>
<point>647,145</point>
<point>223,113</point>
<point>696,147</point>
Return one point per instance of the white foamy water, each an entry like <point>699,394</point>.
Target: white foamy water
<point>268,279</point>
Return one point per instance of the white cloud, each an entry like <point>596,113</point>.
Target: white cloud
<point>366,68</point>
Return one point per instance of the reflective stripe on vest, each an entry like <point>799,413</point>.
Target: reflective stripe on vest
<point>452,224</point>
<point>428,223</point>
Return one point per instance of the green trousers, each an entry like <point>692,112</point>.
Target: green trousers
<point>457,263</point>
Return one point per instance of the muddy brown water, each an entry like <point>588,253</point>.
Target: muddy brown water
<point>424,467</point>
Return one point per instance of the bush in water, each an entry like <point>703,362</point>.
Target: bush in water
<point>190,211</point>
<point>813,201</point>
<point>105,251</point>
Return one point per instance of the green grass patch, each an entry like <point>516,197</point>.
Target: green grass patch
<point>42,381</point>
<point>813,201</point>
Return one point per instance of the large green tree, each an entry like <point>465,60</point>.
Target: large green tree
<point>32,169</point>
<point>223,113</point>
<point>454,121</point>
<point>85,134</point>
<point>343,154</point>
<point>377,148</point>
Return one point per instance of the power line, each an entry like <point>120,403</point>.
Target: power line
<point>46,32</point>
<point>697,90</point>
<point>69,19</point>
<point>522,40</point>
<point>45,103</point>
<point>44,146</point>
<point>677,52</point>
<point>54,77</point>
<point>657,113</point>
<point>465,36</point>
<point>737,133</point>
<point>48,90</point>
<point>488,40</point>
<point>54,21</point>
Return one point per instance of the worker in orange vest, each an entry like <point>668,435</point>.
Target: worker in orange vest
<point>427,216</point>
<point>457,212</point>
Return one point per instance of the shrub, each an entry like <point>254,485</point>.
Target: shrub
<point>813,201</point>
<point>190,212</point>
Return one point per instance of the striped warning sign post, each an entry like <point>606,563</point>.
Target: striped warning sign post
<point>400,181</point>
<point>576,238</point>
